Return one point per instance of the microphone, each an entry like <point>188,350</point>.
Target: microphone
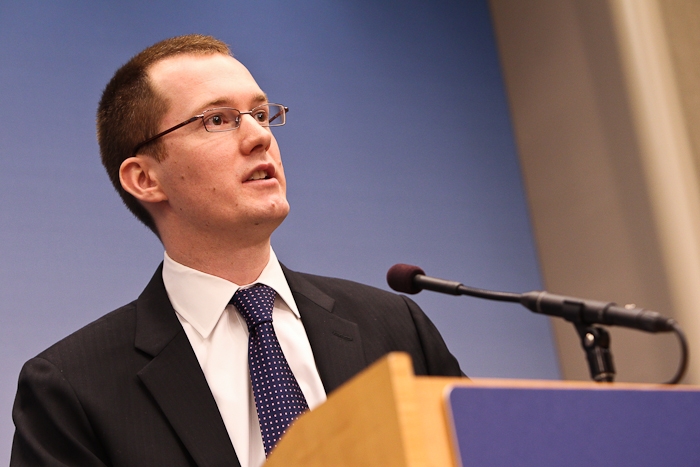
<point>409,279</point>
<point>577,310</point>
<point>402,278</point>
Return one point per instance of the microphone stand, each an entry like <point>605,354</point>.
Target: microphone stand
<point>596,342</point>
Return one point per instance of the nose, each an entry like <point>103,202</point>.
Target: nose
<point>254,137</point>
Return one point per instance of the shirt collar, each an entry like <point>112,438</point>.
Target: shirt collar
<point>201,298</point>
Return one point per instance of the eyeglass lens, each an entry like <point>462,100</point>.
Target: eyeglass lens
<point>226,119</point>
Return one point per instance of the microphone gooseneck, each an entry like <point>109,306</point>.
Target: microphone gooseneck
<point>412,279</point>
<point>409,279</point>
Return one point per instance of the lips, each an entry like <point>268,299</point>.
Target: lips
<point>258,175</point>
<point>262,172</point>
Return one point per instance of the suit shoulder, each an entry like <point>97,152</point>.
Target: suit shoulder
<point>335,286</point>
<point>115,328</point>
<point>386,321</point>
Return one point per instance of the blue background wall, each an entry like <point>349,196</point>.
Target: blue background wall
<point>398,148</point>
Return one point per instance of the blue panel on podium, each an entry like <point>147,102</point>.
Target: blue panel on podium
<point>511,427</point>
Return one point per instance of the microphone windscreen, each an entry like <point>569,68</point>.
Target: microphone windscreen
<point>400,278</point>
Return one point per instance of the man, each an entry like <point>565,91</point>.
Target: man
<point>166,379</point>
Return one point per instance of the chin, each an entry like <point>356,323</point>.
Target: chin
<point>273,215</point>
<point>279,208</point>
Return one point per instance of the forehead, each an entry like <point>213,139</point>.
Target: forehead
<point>190,83</point>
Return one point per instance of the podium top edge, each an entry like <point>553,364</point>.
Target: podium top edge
<point>554,384</point>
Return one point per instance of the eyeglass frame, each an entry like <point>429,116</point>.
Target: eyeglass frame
<point>196,117</point>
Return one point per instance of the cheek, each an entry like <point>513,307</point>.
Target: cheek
<point>186,183</point>
<point>200,171</point>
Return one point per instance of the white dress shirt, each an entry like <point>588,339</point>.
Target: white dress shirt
<point>219,337</point>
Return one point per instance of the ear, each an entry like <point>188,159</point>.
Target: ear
<point>139,178</point>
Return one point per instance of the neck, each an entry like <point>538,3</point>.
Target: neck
<point>237,263</point>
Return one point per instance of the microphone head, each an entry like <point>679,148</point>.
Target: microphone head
<point>400,278</point>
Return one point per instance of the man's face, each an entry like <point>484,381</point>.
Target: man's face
<point>212,180</point>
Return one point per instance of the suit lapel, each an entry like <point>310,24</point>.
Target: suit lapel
<point>336,342</point>
<point>176,381</point>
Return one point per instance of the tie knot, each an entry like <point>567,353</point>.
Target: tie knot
<point>255,304</point>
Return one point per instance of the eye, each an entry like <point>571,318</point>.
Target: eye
<point>215,120</point>
<point>261,115</point>
<point>221,119</point>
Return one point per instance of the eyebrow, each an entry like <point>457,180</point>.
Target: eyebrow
<point>259,98</point>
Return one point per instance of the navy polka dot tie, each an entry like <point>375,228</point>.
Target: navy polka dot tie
<point>278,397</point>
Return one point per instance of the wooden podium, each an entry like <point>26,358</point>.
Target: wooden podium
<point>387,416</point>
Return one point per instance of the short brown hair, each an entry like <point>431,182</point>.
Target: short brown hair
<point>130,109</point>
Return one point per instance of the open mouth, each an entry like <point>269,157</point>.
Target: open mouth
<point>259,175</point>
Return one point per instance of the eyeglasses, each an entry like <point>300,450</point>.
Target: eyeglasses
<point>228,119</point>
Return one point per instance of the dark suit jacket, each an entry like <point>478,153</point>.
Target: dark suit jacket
<point>127,390</point>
